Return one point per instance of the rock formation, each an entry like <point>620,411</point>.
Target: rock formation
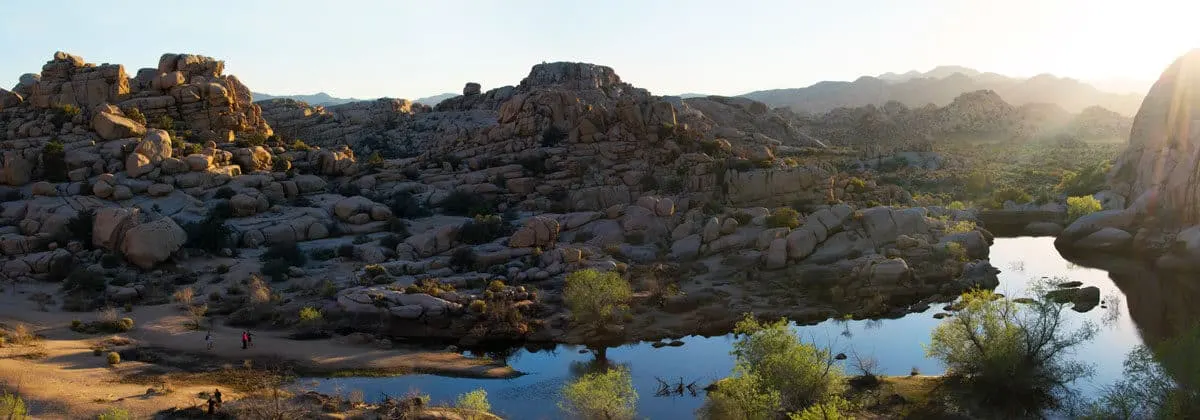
<point>449,207</point>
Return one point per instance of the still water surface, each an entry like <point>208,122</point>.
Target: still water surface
<point>898,345</point>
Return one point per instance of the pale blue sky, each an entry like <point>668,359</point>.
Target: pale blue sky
<point>411,49</point>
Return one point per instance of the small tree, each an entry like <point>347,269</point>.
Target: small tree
<point>474,400</point>
<point>596,300</point>
<point>604,395</point>
<point>781,368</point>
<point>12,407</point>
<point>1009,355</point>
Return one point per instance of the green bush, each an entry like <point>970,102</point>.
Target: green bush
<point>463,258</point>
<point>799,373</point>
<point>125,324</point>
<point>276,269</point>
<point>64,114</point>
<point>596,299</point>
<point>484,229</point>
<point>54,164</point>
<point>603,395</point>
<point>210,234</point>
<point>80,227</point>
<point>113,358</point>
<point>784,217</point>
<point>553,136</point>
<point>288,252</point>
<point>1081,206</point>
<point>1010,356</point>
<point>115,413</point>
<point>474,400</point>
<point>1013,194</point>
<point>462,203</point>
<point>310,315</point>
<point>477,306</point>
<point>407,206</point>
<point>12,407</point>
<point>856,184</point>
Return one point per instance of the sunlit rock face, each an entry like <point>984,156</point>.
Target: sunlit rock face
<point>1160,169</point>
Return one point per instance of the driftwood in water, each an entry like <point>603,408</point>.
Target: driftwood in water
<point>678,388</point>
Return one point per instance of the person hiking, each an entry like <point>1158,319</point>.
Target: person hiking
<point>245,339</point>
<point>249,338</point>
<point>208,341</point>
<point>217,395</point>
<point>212,405</point>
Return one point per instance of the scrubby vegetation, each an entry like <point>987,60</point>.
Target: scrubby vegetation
<point>1081,206</point>
<point>596,299</point>
<point>1010,357</point>
<point>776,373</point>
<point>602,395</point>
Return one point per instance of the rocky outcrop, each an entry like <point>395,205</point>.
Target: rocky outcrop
<point>1162,160</point>
<point>150,243</point>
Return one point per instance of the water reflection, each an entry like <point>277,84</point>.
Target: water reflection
<point>897,344</point>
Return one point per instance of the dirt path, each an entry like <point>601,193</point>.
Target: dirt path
<point>70,382</point>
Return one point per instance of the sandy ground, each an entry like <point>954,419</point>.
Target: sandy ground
<point>70,382</point>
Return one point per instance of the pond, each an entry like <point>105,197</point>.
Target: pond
<point>897,344</point>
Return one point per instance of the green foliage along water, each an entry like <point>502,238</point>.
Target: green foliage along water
<point>989,173</point>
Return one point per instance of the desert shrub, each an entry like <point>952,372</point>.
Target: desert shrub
<point>474,400</point>
<point>280,164</point>
<point>83,281</point>
<point>496,286</point>
<point>276,269</point>
<point>784,217</point>
<point>115,413</point>
<point>1086,182</point>
<point>553,136</point>
<point>113,358</point>
<point>310,315</point>
<point>210,234</point>
<point>407,206</point>
<point>80,227</point>
<point>743,218</point>
<point>463,258</point>
<point>648,182</point>
<point>743,396</point>
<point>299,145</point>
<point>1010,356</point>
<point>1016,195</point>
<point>601,395</point>
<point>164,122</point>
<point>484,229</point>
<point>54,164</point>
<point>774,365</point>
<point>64,114</point>
<point>462,203</point>
<point>324,254</point>
<point>1081,206</point>
<point>12,407</point>
<point>288,252</point>
<point>832,408</point>
<point>192,149</point>
<point>477,306</point>
<point>534,165</point>
<point>856,184</point>
<point>596,299</point>
<point>959,226</point>
<point>251,140</point>
<point>956,205</point>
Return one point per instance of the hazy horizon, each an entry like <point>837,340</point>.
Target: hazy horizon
<point>369,49</point>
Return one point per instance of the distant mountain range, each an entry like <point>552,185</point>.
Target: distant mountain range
<point>323,99</point>
<point>941,85</point>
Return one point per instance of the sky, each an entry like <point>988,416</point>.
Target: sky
<point>413,49</point>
